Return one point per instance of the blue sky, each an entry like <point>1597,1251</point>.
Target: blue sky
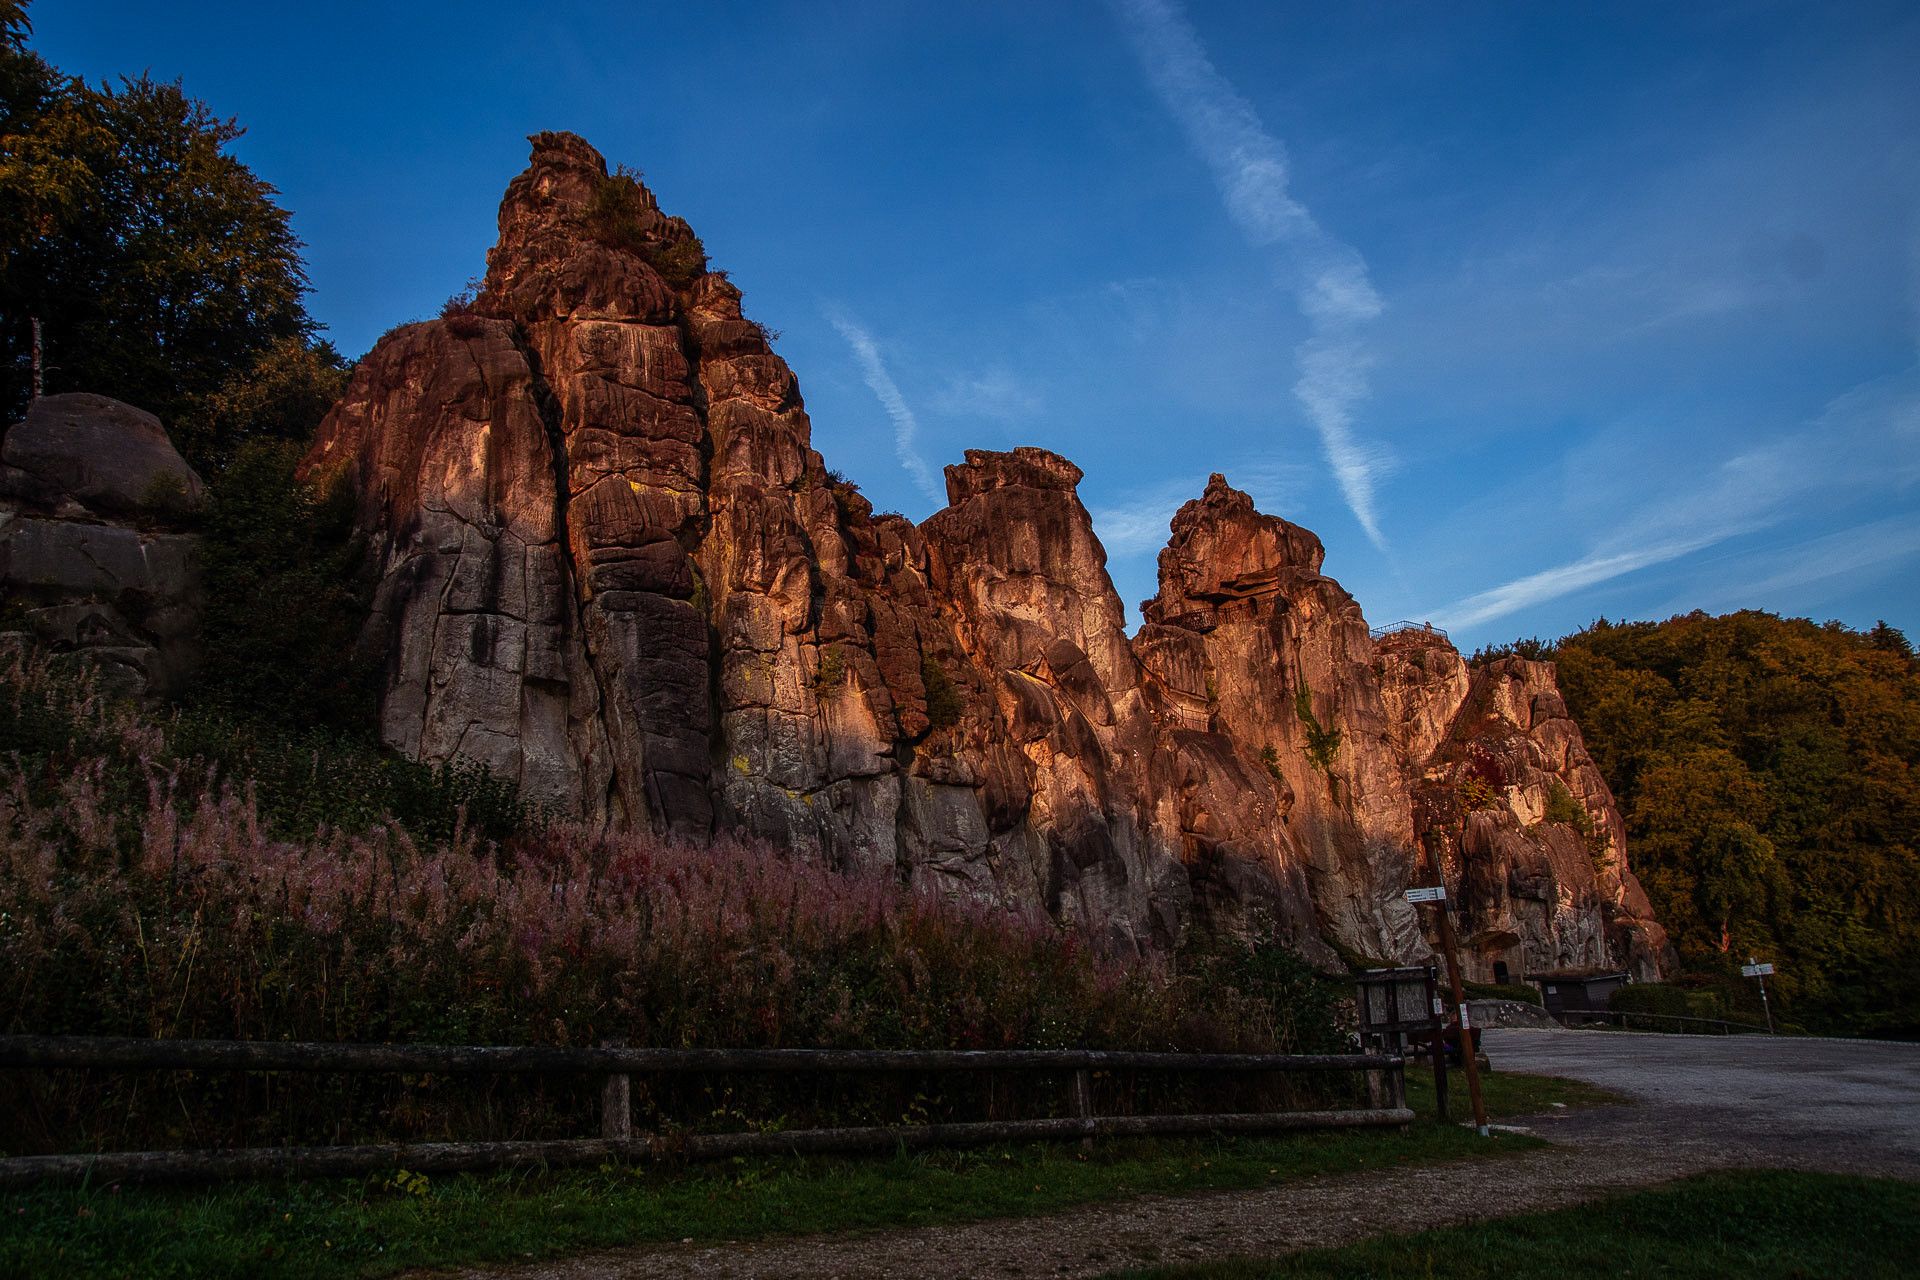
<point>1535,313</point>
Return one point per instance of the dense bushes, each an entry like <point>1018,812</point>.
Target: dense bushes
<point>54,726</point>
<point>1724,997</point>
<point>283,606</point>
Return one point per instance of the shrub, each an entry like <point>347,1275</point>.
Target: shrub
<point>1477,793</point>
<point>616,215</point>
<point>832,669</point>
<point>680,260</point>
<point>613,214</point>
<point>1258,983</point>
<point>1563,808</point>
<point>284,609</point>
<point>944,703</point>
<point>55,721</point>
<point>1677,1001</point>
<point>461,313</point>
<point>1271,759</point>
<point>1323,744</point>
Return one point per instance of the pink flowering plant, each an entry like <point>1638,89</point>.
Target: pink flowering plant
<point>143,893</point>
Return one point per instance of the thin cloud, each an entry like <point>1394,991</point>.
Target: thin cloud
<point>1141,519</point>
<point>995,394</point>
<point>1858,443</point>
<point>1551,584</point>
<point>906,428</point>
<point>1824,562</point>
<point>1329,278</point>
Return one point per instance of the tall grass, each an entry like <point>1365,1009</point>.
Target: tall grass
<point>143,893</point>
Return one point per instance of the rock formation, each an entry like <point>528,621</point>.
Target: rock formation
<point>94,556</point>
<point>610,566</point>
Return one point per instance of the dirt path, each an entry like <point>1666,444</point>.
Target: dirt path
<point>1709,1106</point>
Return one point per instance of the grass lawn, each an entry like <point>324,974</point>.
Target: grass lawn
<point>1769,1225</point>
<point>377,1226</point>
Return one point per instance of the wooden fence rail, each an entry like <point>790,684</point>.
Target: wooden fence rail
<point>1569,1017</point>
<point>1384,1074</point>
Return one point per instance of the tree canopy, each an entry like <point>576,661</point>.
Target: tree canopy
<point>1769,772</point>
<point>161,268</point>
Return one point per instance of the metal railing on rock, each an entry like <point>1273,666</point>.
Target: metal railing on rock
<point>1403,627</point>
<point>1385,1080</point>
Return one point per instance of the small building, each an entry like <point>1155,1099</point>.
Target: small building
<point>1577,992</point>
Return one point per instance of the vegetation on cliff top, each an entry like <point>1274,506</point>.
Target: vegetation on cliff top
<point>1769,773</point>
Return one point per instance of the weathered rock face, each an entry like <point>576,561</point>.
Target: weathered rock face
<point>1529,833</point>
<point>611,566</point>
<point>94,557</point>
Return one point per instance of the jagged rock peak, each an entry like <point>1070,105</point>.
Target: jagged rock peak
<point>1025,467</point>
<point>611,567</point>
<point>577,242</point>
<point>1224,549</point>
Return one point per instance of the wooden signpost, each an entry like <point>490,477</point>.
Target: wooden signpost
<point>1435,895</point>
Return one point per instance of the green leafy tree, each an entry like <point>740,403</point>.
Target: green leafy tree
<point>158,264</point>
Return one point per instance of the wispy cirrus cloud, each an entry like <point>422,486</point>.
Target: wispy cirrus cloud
<point>1812,569</point>
<point>1139,519</point>
<point>906,428</point>
<point>1565,579</point>
<point>1329,277</point>
<point>994,393</point>
<point>1862,442</point>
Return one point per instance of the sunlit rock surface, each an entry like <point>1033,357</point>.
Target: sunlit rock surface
<point>611,566</point>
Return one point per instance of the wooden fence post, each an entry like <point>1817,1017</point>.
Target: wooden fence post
<point>1083,1103</point>
<point>616,1103</point>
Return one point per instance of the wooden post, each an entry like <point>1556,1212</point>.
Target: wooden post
<point>616,1103</point>
<point>1437,1047</point>
<point>1083,1103</point>
<point>1450,948</point>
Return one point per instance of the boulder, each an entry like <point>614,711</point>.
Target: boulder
<point>93,560</point>
<point>109,457</point>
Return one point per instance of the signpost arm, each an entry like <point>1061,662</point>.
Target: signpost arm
<point>1450,949</point>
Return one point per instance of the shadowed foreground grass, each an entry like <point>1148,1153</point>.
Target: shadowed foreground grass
<point>1758,1225</point>
<point>377,1226</point>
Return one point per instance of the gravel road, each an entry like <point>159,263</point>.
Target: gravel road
<point>1847,1105</point>
<point>1701,1103</point>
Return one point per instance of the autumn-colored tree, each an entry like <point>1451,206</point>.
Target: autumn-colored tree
<point>1769,772</point>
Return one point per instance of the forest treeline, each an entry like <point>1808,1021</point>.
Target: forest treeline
<point>1769,772</point>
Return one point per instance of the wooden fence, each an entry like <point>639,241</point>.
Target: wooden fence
<point>616,1067</point>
